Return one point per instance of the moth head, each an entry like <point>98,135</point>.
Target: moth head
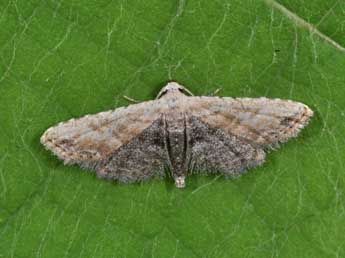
<point>173,88</point>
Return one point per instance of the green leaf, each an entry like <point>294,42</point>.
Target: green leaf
<point>63,59</point>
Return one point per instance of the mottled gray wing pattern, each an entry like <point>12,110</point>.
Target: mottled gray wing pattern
<point>140,159</point>
<point>91,138</point>
<point>259,121</point>
<point>213,150</point>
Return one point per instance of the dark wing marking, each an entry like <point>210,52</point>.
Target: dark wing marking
<point>140,159</point>
<point>213,150</point>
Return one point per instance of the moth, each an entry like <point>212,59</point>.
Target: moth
<point>179,133</point>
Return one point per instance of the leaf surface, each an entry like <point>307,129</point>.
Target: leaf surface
<point>64,59</point>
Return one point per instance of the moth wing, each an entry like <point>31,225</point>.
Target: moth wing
<point>259,121</point>
<point>213,150</point>
<point>94,137</point>
<point>139,159</point>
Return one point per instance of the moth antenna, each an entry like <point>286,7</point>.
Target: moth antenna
<point>130,99</point>
<point>215,92</point>
<point>188,91</point>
